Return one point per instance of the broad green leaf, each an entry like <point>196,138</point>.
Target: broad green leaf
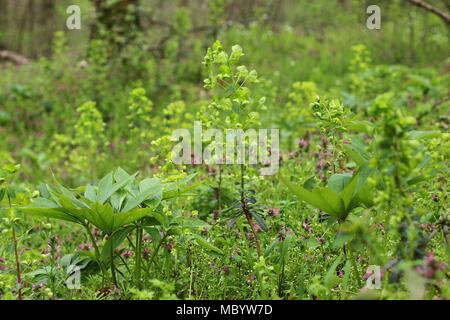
<point>206,245</point>
<point>332,199</point>
<point>357,192</point>
<point>101,216</point>
<point>314,198</point>
<point>90,193</point>
<point>117,200</point>
<point>349,191</point>
<point>154,233</point>
<point>106,187</point>
<point>337,182</point>
<point>115,240</point>
<point>64,198</point>
<point>161,218</point>
<point>51,213</point>
<point>44,203</point>
<point>123,218</point>
<point>363,174</point>
<point>154,189</point>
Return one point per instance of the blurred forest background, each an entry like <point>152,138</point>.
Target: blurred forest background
<point>409,33</point>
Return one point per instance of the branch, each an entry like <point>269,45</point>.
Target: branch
<point>424,5</point>
<point>14,57</point>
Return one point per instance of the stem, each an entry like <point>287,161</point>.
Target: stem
<point>137,272</point>
<point>96,250</point>
<point>113,269</point>
<point>52,264</point>
<point>247,212</point>
<point>155,252</point>
<point>281,280</point>
<point>353,262</point>
<point>190,282</point>
<point>219,191</point>
<point>16,255</point>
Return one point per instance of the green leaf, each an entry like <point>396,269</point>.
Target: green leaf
<point>346,280</point>
<point>90,193</point>
<point>57,214</point>
<point>360,126</point>
<point>101,216</point>
<point>190,223</point>
<point>310,183</point>
<point>115,240</point>
<point>161,218</point>
<point>419,135</point>
<point>355,150</point>
<point>68,197</point>
<point>312,243</point>
<point>314,197</point>
<point>123,218</point>
<point>337,182</point>
<point>206,245</point>
<point>2,193</point>
<point>285,248</point>
<point>357,191</point>
<point>147,189</point>
<point>260,221</point>
<point>104,218</point>
<point>331,279</point>
<point>154,233</point>
<point>349,192</point>
<point>106,188</point>
<point>178,188</point>
<point>44,203</point>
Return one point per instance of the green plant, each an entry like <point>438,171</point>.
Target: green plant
<point>12,222</point>
<point>343,193</point>
<point>232,107</point>
<point>117,201</point>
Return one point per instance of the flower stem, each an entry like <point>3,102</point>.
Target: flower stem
<point>113,268</point>
<point>138,257</point>
<point>16,255</point>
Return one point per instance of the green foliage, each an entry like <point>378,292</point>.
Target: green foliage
<point>81,150</point>
<point>363,119</point>
<point>342,194</point>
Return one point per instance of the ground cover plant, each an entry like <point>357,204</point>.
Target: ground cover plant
<point>348,127</point>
